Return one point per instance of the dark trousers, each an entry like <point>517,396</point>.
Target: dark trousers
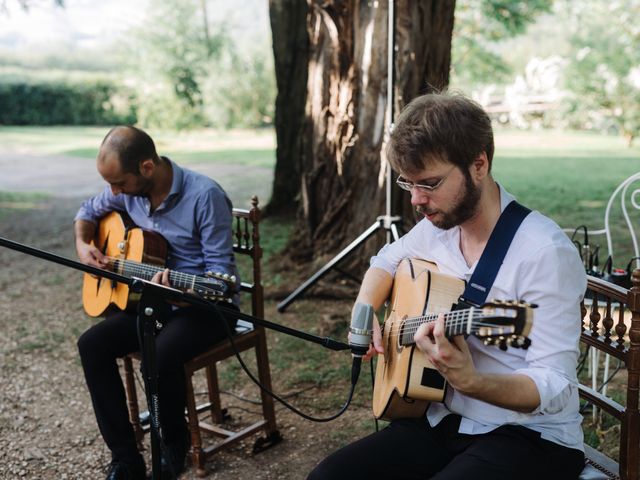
<point>186,334</point>
<point>411,449</point>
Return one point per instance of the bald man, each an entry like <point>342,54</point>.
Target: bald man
<point>194,215</point>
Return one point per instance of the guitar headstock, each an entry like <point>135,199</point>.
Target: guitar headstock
<point>506,324</point>
<point>215,286</point>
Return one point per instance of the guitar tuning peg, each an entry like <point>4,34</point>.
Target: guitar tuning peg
<point>526,343</point>
<point>502,345</point>
<point>488,341</point>
<point>232,279</point>
<point>225,276</point>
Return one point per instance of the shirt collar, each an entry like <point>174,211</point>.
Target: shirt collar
<point>176,183</point>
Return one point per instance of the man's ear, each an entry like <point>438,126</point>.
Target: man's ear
<point>146,167</point>
<point>480,167</point>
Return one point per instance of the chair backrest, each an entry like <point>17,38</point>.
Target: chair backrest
<point>246,234</point>
<point>611,324</point>
<point>629,199</point>
<point>626,199</point>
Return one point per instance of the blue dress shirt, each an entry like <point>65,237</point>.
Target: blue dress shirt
<point>195,219</point>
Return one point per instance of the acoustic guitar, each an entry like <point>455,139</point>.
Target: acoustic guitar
<point>406,382</point>
<point>134,252</point>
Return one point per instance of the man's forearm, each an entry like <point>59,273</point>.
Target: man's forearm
<point>84,231</point>
<point>512,391</point>
<point>375,288</point>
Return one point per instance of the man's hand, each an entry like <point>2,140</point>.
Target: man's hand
<point>162,278</point>
<point>376,345</point>
<point>451,358</point>
<point>90,255</point>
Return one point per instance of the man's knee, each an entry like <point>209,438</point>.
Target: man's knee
<point>87,344</point>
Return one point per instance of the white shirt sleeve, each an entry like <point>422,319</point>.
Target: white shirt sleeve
<point>554,279</point>
<point>411,245</point>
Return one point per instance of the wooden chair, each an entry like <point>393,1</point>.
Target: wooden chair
<point>246,242</point>
<point>611,325</point>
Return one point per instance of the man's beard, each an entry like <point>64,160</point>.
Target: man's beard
<point>143,187</point>
<point>465,208</point>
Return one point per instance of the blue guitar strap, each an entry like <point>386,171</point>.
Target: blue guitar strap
<point>477,289</point>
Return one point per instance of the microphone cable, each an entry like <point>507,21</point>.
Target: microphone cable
<point>355,372</point>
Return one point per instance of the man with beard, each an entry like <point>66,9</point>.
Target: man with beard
<point>506,414</point>
<point>194,215</point>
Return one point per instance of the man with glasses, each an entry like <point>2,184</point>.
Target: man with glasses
<point>506,414</point>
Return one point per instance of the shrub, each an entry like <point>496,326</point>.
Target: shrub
<point>96,102</point>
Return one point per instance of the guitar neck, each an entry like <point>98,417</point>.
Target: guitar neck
<point>146,271</point>
<point>458,322</point>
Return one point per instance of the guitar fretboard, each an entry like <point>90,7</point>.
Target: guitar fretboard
<point>458,322</point>
<point>146,271</point>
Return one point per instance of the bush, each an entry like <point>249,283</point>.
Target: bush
<point>96,102</point>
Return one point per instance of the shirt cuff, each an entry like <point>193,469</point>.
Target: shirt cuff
<point>554,389</point>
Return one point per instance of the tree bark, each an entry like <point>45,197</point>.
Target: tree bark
<point>343,173</point>
<point>291,55</point>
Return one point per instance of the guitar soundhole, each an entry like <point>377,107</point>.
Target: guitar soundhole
<point>399,337</point>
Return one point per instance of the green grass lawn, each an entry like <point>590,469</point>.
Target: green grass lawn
<point>238,147</point>
<point>566,175</point>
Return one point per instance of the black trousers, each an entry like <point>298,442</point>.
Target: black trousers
<point>411,449</point>
<point>187,333</point>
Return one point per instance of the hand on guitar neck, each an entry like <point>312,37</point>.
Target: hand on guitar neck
<point>118,245</point>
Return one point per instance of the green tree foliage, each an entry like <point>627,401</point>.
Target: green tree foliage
<point>479,25</point>
<point>190,73</point>
<point>603,75</point>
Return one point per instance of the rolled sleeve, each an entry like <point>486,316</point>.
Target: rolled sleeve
<point>412,245</point>
<point>555,390</point>
<point>555,280</point>
<point>383,260</point>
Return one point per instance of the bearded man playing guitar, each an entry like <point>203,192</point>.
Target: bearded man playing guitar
<point>194,215</point>
<point>506,414</point>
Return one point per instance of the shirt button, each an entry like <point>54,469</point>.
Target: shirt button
<point>155,225</point>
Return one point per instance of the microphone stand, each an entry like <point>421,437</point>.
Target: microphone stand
<point>152,311</point>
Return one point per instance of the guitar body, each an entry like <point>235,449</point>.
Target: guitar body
<point>406,382</point>
<point>117,236</point>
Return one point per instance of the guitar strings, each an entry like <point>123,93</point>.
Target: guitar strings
<point>146,271</point>
<point>453,320</point>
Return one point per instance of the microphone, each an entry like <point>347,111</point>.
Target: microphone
<point>361,329</point>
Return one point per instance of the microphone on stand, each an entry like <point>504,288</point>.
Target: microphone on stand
<point>360,333</point>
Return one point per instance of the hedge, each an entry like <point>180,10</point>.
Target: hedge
<point>65,103</point>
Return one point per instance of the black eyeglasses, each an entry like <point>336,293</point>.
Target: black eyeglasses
<point>408,186</point>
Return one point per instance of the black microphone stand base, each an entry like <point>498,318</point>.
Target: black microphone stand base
<point>387,223</point>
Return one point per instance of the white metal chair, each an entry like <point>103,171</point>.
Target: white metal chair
<point>628,197</point>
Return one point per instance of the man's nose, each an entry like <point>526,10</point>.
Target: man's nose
<point>418,197</point>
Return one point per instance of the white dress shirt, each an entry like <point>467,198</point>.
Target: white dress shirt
<point>542,266</point>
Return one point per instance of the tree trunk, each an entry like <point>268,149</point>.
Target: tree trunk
<point>343,175</point>
<point>291,54</point>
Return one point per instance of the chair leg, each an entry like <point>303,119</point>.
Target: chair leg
<point>213,388</point>
<point>197,455</point>
<point>264,374</point>
<point>132,400</point>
